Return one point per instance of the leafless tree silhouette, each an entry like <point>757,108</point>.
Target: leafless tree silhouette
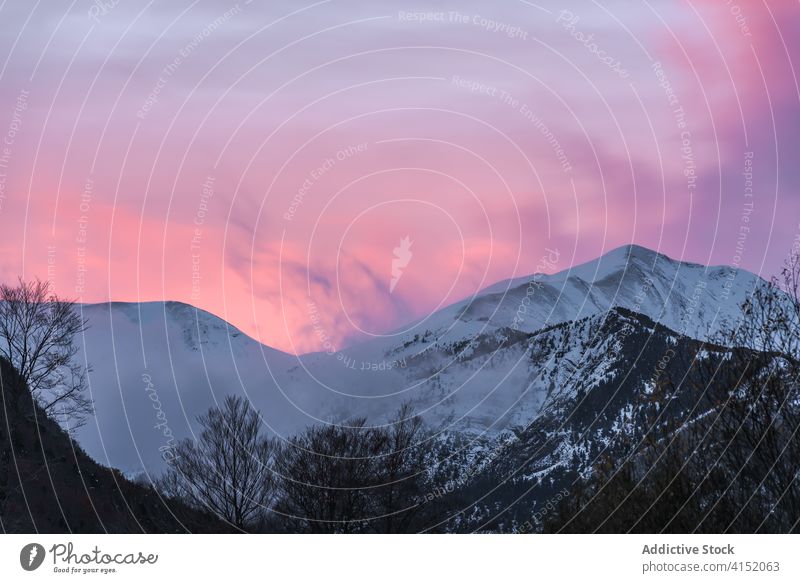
<point>228,471</point>
<point>355,478</point>
<point>37,336</point>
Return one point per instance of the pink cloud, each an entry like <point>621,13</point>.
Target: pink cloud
<point>483,149</point>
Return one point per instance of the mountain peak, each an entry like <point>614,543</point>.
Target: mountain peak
<point>634,251</point>
<point>617,261</point>
<point>613,261</point>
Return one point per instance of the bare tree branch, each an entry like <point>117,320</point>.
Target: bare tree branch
<point>37,336</point>
<point>229,469</point>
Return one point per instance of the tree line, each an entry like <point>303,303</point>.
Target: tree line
<point>345,478</point>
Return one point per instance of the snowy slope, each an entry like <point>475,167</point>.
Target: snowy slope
<point>158,365</point>
<point>693,299</point>
<point>468,363</point>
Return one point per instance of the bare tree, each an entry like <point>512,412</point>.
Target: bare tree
<point>356,478</point>
<point>403,472</point>
<point>229,469</point>
<point>327,474</point>
<point>37,336</point>
<point>761,412</point>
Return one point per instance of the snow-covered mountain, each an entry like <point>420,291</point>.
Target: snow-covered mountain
<point>693,299</point>
<point>482,365</point>
<point>601,375</point>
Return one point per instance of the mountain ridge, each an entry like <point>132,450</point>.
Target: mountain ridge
<point>628,251</point>
<point>473,365</point>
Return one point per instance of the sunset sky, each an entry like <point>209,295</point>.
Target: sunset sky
<point>264,160</point>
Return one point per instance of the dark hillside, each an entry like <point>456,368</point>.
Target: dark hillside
<point>48,484</point>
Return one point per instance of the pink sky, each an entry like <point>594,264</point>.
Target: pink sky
<point>253,160</point>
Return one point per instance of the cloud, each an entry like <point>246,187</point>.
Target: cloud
<point>482,146</point>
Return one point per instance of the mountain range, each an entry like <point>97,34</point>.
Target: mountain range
<point>561,356</point>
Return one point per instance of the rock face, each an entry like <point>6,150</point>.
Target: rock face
<point>48,484</point>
